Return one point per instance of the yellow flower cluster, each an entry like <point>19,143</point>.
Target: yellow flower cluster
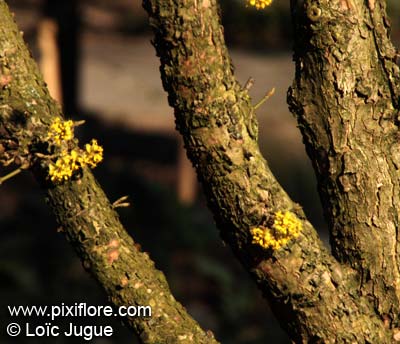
<point>64,167</point>
<point>70,160</point>
<point>286,227</point>
<point>61,131</point>
<point>93,154</point>
<point>259,4</point>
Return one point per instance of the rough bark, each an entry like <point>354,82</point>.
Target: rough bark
<point>318,299</point>
<point>83,211</point>
<point>346,99</point>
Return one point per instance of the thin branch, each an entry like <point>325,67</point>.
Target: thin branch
<point>268,95</point>
<point>10,175</point>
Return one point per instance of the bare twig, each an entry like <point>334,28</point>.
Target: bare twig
<point>265,98</point>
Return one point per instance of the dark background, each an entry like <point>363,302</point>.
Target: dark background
<point>111,80</point>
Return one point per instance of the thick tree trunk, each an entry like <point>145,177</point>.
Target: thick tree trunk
<point>346,99</point>
<point>83,211</point>
<point>317,299</point>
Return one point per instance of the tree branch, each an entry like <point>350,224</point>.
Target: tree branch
<point>83,211</point>
<point>346,99</point>
<point>317,299</point>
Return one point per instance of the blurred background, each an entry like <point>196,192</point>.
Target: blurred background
<point>98,61</point>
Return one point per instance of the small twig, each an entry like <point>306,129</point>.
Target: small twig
<point>8,162</point>
<point>10,175</point>
<point>119,203</point>
<point>264,99</point>
<point>78,123</point>
<point>249,83</point>
<point>45,156</point>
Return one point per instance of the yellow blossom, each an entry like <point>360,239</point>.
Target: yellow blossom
<point>94,153</point>
<point>61,131</point>
<point>286,227</point>
<point>65,161</point>
<point>259,4</point>
<point>64,166</point>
